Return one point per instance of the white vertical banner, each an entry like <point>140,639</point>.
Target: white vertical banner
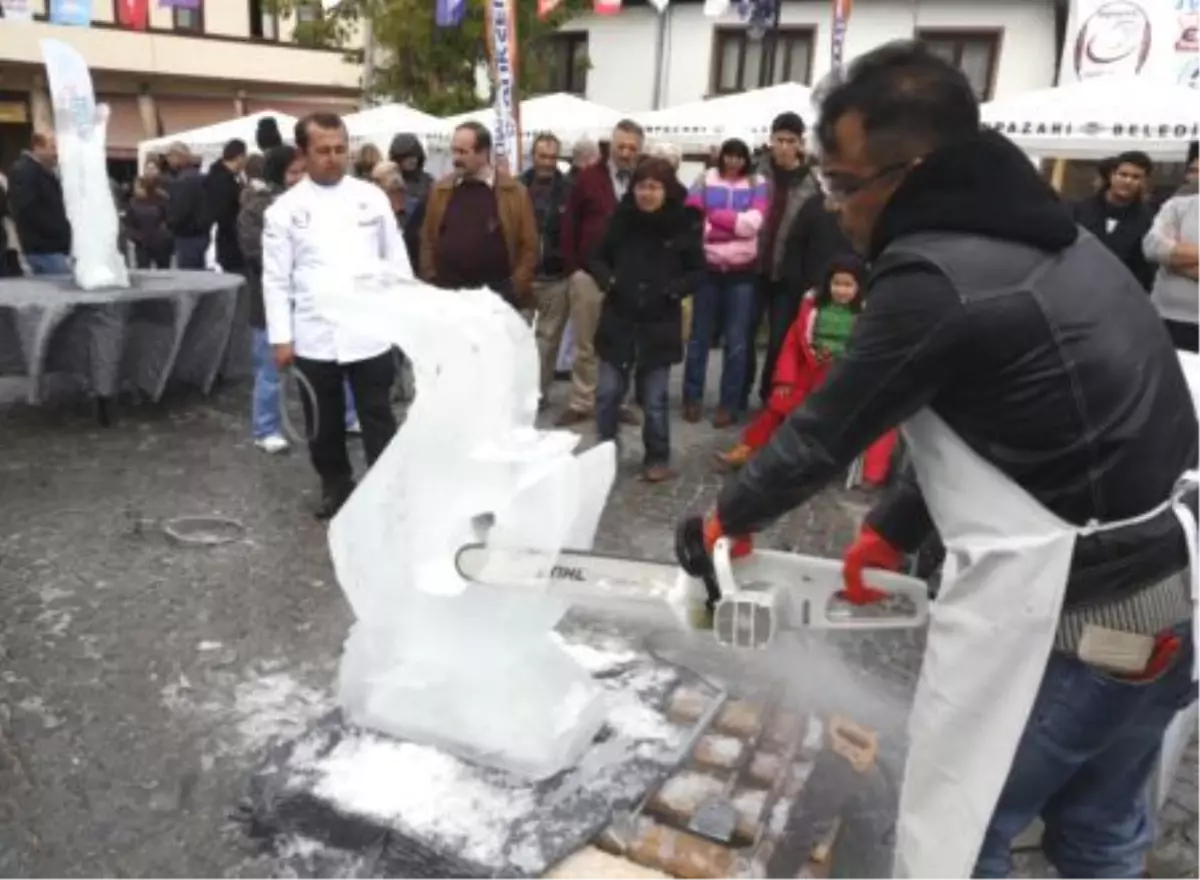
<point>502,47</point>
<point>80,126</point>
<point>1153,38</point>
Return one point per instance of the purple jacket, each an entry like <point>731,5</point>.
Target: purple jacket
<point>733,215</point>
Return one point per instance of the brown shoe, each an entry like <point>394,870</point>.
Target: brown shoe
<point>657,473</point>
<point>723,419</point>
<point>572,417</point>
<point>736,457</point>
<point>692,412</point>
<point>629,416</point>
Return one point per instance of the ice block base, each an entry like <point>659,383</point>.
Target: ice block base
<point>416,811</point>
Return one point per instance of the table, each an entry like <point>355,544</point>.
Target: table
<point>168,327</point>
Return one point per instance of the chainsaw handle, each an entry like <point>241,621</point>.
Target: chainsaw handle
<point>722,561</point>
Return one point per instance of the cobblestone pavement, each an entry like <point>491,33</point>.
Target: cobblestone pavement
<point>140,679</point>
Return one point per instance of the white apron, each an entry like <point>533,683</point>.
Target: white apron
<point>991,631</point>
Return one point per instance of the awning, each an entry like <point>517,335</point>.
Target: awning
<point>186,114</point>
<point>125,130</point>
<point>299,107</point>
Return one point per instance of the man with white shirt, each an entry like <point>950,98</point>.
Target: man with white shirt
<point>322,232</point>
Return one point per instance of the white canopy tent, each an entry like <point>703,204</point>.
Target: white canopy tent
<point>208,141</point>
<point>567,117</point>
<point>1098,117</point>
<point>378,125</point>
<point>699,125</point>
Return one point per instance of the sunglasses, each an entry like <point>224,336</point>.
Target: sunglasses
<point>841,185</point>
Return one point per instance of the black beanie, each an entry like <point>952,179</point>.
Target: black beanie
<point>267,135</point>
<point>789,122</point>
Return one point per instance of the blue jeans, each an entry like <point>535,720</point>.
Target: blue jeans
<point>49,264</point>
<point>1083,765</point>
<point>611,386</point>
<point>190,251</point>
<point>728,301</point>
<point>264,407</point>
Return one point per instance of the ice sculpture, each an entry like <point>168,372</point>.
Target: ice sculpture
<point>468,668</point>
<point>80,126</point>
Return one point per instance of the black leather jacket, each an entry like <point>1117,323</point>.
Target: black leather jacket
<point>1071,388</point>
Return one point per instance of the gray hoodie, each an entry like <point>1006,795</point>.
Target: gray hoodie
<point>1174,295</point>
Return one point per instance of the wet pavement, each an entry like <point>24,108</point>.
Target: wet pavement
<point>140,679</point>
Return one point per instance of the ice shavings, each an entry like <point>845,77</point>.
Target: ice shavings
<point>598,661</point>
<point>425,790</point>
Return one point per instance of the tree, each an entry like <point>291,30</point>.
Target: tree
<point>429,67</point>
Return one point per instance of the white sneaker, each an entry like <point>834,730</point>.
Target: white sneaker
<point>272,444</point>
<point>354,427</point>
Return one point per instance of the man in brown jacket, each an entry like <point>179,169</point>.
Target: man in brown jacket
<point>479,228</point>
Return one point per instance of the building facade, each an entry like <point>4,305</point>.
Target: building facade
<point>640,61</point>
<point>189,68</point>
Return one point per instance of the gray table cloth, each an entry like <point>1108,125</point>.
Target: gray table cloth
<point>167,327</point>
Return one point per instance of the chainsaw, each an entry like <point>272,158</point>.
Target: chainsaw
<point>745,602</point>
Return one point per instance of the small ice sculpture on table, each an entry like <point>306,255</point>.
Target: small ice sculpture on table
<point>80,127</point>
<point>468,668</point>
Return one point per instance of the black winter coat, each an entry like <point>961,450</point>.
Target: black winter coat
<point>1125,239</point>
<point>186,216</point>
<point>1064,379</point>
<point>549,222</point>
<point>812,241</point>
<point>646,264</point>
<point>222,201</point>
<point>36,196</point>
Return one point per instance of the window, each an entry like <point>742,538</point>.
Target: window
<point>188,19</point>
<point>567,63</point>
<point>741,63</point>
<point>974,53</point>
<point>264,23</point>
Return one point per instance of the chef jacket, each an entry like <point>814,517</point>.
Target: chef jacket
<point>316,236</point>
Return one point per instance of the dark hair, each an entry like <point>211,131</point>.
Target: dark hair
<point>911,102</point>
<point>849,264</point>
<point>276,162</point>
<point>322,119</point>
<point>1105,168</point>
<point>483,137</point>
<point>789,122</point>
<point>1136,158</point>
<point>254,166</point>
<point>546,137</point>
<point>653,168</point>
<point>1191,153</point>
<point>735,147</point>
<point>630,127</point>
<point>266,133</point>
<point>235,149</point>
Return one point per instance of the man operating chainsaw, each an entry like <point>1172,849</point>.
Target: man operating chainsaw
<point>1054,442</point>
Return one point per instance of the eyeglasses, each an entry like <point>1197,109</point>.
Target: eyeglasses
<point>841,185</point>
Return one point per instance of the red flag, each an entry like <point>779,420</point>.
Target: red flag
<point>606,7</point>
<point>133,13</point>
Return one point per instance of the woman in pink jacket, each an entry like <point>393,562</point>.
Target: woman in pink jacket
<point>733,202</point>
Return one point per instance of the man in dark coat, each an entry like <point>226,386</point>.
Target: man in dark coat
<point>1058,392</point>
<point>39,213</point>
<point>222,202</point>
<point>548,188</point>
<point>594,196</point>
<point>185,208</point>
<point>1119,216</point>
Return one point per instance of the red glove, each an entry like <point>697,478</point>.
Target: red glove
<point>742,544</point>
<point>869,550</point>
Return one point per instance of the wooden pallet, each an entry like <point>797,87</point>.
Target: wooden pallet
<point>785,748</point>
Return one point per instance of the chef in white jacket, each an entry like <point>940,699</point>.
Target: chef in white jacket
<point>316,237</point>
